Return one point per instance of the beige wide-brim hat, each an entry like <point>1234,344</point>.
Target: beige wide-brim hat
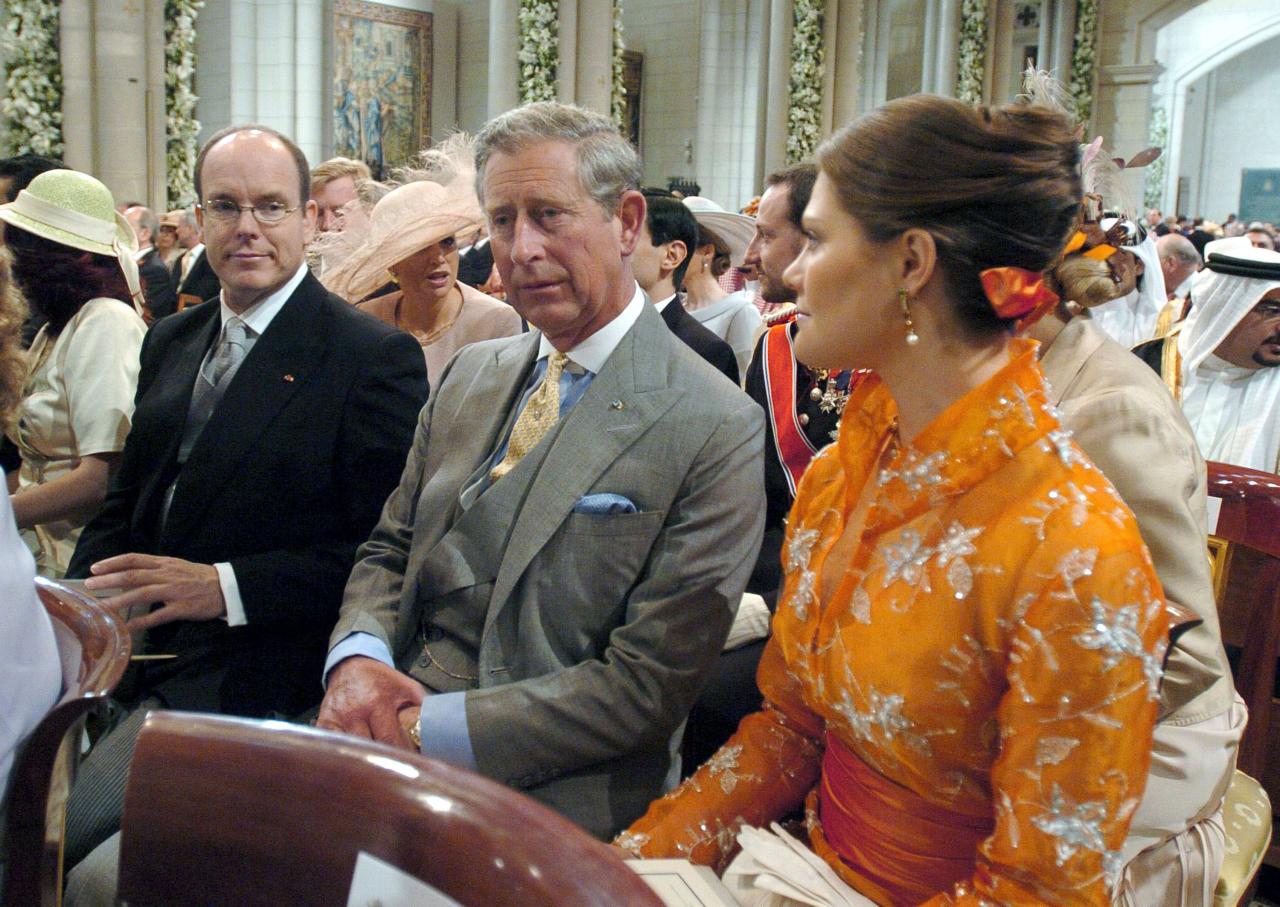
<point>735,229</point>
<point>405,221</point>
<point>74,209</point>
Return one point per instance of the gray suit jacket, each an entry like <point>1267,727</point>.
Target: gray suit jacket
<point>590,634</point>
<point>1124,419</point>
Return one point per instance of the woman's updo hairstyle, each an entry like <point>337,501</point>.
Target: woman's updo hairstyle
<point>995,187</point>
<point>721,260</point>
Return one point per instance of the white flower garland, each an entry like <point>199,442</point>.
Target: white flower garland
<point>1157,137</point>
<point>618,96</point>
<point>539,49</point>
<point>1084,58</point>
<point>32,102</point>
<point>181,125</point>
<point>804,118</point>
<point>973,51</point>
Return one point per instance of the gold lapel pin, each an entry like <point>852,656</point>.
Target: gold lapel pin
<point>617,404</point>
<point>288,377</point>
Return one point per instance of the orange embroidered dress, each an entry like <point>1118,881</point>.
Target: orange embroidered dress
<point>969,716</point>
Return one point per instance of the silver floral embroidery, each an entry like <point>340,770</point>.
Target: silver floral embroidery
<point>904,559</point>
<point>861,605</point>
<point>883,718</point>
<point>803,595</point>
<point>1114,631</point>
<point>725,763</point>
<point>960,576</point>
<point>800,548</point>
<point>917,472</point>
<point>1069,497</point>
<point>1060,442</point>
<point>955,545</point>
<point>1052,750</point>
<point>632,842</point>
<point>1073,825</point>
<point>1074,566</point>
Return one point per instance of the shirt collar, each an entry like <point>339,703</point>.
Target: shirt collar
<point>141,254</point>
<point>594,351</point>
<point>664,303</point>
<point>259,315</point>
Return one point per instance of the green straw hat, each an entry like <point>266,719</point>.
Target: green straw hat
<point>74,209</point>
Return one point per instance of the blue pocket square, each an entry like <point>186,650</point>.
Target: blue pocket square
<point>604,503</point>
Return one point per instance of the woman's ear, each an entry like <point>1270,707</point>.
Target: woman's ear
<point>919,254</point>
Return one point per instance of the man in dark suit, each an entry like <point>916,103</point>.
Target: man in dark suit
<point>195,278</point>
<point>269,428</point>
<point>659,261</point>
<point>158,288</point>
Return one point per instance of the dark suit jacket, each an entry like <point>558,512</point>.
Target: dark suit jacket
<point>286,480</point>
<point>702,341</point>
<point>475,266</point>
<point>158,285</point>
<point>200,282</point>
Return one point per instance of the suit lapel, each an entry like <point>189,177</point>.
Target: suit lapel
<point>593,436</point>
<point>276,368</point>
<point>469,424</point>
<point>173,384</point>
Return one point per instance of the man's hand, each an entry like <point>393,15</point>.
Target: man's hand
<point>366,698</point>
<point>185,591</point>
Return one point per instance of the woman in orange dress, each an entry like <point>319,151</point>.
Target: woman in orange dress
<point>963,675</point>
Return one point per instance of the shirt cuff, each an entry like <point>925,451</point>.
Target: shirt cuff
<point>750,623</point>
<point>357,643</point>
<point>235,616</point>
<point>444,729</point>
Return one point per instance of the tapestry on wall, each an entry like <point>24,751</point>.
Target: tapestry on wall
<point>381,83</point>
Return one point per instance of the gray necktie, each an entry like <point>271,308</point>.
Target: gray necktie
<point>215,374</point>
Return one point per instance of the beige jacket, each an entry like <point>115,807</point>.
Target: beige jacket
<point>1124,419</point>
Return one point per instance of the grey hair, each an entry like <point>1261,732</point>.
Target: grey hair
<point>607,164</point>
<point>147,220</point>
<point>189,217</point>
<point>1179,247</point>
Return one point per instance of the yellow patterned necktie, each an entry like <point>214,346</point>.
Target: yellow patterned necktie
<point>540,413</point>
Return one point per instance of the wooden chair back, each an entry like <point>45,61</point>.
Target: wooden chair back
<point>1245,550</point>
<point>231,811</point>
<point>94,648</point>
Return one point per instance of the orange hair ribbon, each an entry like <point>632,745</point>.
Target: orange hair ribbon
<point>1018,293</point>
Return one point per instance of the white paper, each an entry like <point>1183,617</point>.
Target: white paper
<point>1213,507</point>
<point>378,884</point>
<point>679,883</point>
<point>778,863</point>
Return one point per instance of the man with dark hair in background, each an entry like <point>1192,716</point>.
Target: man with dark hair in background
<point>659,261</point>
<point>158,288</point>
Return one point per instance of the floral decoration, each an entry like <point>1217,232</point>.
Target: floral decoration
<point>181,125</point>
<point>804,119</point>
<point>1157,137</point>
<point>1084,58</point>
<point>539,49</point>
<point>32,102</point>
<point>618,96</point>
<point>973,51</point>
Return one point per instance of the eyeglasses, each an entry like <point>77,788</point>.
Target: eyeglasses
<point>225,210</point>
<point>1268,310</point>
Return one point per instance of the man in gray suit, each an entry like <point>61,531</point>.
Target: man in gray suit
<point>560,564</point>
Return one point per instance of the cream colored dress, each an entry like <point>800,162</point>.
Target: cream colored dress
<point>77,400</point>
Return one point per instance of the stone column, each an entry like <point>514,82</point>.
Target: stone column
<point>594,69</point>
<point>948,47</point>
<point>120,51</point>
<point>504,45</point>
<point>842,79</point>
<point>567,66</point>
<point>777,86</point>
<point>78,101</point>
